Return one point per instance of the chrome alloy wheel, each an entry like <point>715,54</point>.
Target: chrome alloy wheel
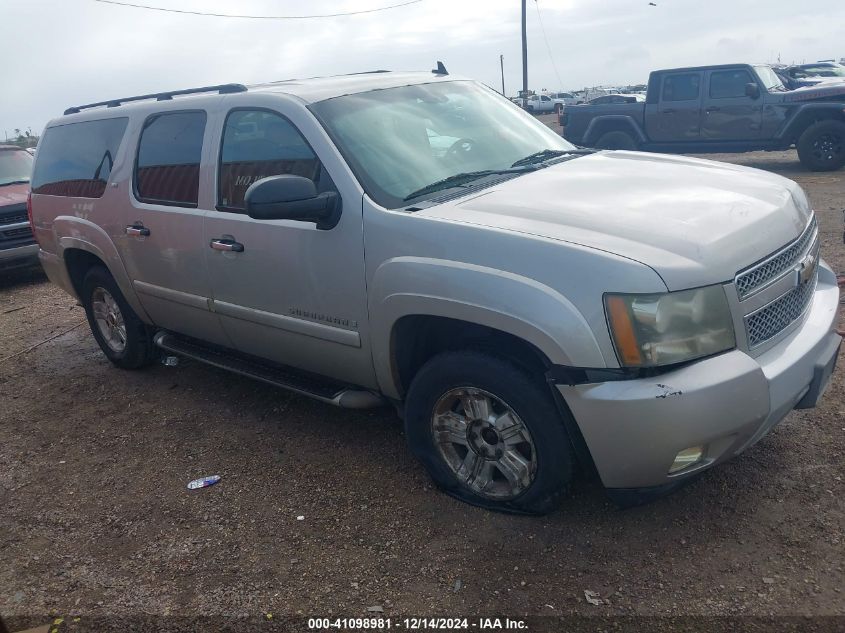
<point>484,442</point>
<point>109,319</point>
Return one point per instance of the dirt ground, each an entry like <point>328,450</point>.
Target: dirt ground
<point>323,512</point>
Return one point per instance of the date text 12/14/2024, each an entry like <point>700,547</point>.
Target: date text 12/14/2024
<point>416,624</point>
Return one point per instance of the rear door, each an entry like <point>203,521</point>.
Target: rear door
<point>162,245</point>
<point>679,108</point>
<point>729,114</point>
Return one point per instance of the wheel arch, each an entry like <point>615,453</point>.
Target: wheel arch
<point>416,338</point>
<point>809,114</point>
<point>82,244</point>
<point>450,303</point>
<point>613,123</point>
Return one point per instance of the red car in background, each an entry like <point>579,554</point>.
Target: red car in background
<point>17,244</point>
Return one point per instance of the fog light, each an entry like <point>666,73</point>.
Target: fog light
<point>686,458</point>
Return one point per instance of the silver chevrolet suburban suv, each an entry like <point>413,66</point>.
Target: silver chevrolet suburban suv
<point>416,239</point>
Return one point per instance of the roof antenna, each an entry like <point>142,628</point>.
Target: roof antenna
<point>441,69</point>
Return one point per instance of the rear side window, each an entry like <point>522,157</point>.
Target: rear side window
<point>169,154</point>
<point>75,160</point>
<point>257,144</point>
<point>729,83</point>
<point>683,87</point>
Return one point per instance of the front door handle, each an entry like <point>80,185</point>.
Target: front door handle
<point>668,111</point>
<point>137,230</point>
<point>230,246</point>
<point>712,109</point>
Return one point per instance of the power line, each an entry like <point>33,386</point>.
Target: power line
<point>257,17</point>
<point>548,48</point>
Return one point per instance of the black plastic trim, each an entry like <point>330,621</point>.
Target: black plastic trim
<point>631,497</point>
<point>563,375</point>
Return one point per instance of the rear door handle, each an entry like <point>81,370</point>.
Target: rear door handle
<point>137,230</point>
<point>712,109</point>
<point>669,111</point>
<point>230,246</point>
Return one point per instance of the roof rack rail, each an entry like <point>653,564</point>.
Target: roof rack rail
<point>161,96</point>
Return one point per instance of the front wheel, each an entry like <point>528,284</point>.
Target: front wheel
<point>122,336</point>
<point>616,140</point>
<point>822,146</point>
<point>489,433</point>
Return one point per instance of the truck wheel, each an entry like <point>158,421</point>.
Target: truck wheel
<point>489,433</point>
<point>616,140</point>
<point>822,146</point>
<point>122,336</point>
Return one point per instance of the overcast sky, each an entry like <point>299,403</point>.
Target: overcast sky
<point>57,53</point>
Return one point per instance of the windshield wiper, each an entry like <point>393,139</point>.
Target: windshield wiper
<point>14,182</point>
<point>461,179</point>
<point>545,154</point>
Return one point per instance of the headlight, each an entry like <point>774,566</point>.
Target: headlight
<point>662,329</point>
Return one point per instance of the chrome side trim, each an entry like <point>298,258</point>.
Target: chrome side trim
<point>177,296</point>
<point>13,227</point>
<point>289,324</point>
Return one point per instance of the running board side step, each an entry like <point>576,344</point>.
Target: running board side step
<point>310,385</point>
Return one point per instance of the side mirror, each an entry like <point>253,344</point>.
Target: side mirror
<point>752,90</point>
<point>289,197</point>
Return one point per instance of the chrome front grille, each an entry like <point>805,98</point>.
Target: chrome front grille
<point>770,320</point>
<point>770,269</point>
<point>14,219</point>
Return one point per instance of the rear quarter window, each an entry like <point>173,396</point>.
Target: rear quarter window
<point>76,159</point>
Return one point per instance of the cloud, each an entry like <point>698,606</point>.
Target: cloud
<point>66,52</point>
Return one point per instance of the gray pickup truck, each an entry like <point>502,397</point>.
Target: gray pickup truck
<point>731,108</point>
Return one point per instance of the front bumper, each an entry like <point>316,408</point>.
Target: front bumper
<point>19,256</point>
<point>635,428</point>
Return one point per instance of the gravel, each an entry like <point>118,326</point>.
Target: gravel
<point>324,512</point>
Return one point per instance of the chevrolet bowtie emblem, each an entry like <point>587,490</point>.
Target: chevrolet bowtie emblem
<point>806,268</point>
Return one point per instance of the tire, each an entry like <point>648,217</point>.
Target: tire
<point>822,146</point>
<point>616,140</point>
<point>124,338</point>
<point>476,457</point>
<point>530,109</point>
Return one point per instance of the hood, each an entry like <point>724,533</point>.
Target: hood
<point>13,194</point>
<point>695,222</point>
<point>830,89</point>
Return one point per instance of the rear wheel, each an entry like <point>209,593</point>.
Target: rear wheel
<point>616,140</point>
<point>822,146</point>
<point>122,336</point>
<point>489,433</point>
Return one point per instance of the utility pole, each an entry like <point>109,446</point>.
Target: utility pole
<point>524,53</point>
<point>502,64</point>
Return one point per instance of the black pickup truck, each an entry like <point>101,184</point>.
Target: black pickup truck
<point>729,108</point>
